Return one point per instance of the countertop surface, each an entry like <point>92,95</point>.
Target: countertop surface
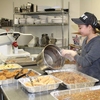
<point>15,91</point>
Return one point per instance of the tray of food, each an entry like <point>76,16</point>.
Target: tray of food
<point>9,66</point>
<point>88,93</point>
<point>8,76</point>
<point>73,78</point>
<point>22,60</point>
<point>40,83</point>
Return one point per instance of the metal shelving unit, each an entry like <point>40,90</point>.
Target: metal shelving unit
<point>61,12</point>
<point>47,24</point>
<point>41,13</point>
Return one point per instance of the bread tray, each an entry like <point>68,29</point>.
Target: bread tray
<point>12,66</point>
<point>91,82</point>
<point>12,80</point>
<point>35,89</point>
<point>72,91</point>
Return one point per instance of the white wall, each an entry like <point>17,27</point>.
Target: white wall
<point>92,6</point>
<point>7,12</point>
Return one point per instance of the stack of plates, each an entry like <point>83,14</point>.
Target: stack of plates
<point>58,20</point>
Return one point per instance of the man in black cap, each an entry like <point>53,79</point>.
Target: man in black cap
<point>89,59</point>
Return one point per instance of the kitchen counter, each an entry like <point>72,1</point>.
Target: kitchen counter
<point>14,91</point>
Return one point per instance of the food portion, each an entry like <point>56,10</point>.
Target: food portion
<point>9,66</point>
<point>88,95</point>
<point>41,80</point>
<point>8,74</point>
<point>69,62</point>
<point>70,77</point>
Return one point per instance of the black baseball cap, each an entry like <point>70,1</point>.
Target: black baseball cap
<point>86,19</point>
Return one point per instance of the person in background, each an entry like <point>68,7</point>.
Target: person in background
<point>89,59</point>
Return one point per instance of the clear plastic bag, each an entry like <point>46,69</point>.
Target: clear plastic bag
<point>69,57</point>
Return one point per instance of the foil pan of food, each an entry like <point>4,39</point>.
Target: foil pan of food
<point>8,76</point>
<point>9,66</point>
<point>88,93</point>
<point>26,73</point>
<point>40,83</point>
<point>73,78</point>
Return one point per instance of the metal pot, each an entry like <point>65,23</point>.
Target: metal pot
<point>50,58</point>
<point>17,9</point>
<point>30,7</point>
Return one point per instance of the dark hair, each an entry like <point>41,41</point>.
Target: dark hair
<point>98,26</point>
<point>95,27</point>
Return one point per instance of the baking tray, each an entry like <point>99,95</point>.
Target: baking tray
<point>35,89</point>
<point>35,71</point>
<point>3,66</point>
<point>91,82</point>
<point>12,80</point>
<point>72,91</point>
<point>23,61</point>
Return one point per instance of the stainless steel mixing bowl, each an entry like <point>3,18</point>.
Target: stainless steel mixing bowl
<point>50,58</point>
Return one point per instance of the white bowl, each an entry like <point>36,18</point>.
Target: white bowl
<point>58,20</point>
<point>22,20</point>
<point>29,20</point>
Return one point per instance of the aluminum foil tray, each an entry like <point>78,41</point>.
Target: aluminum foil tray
<point>35,71</point>
<point>91,82</point>
<point>12,80</point>
<point>10,66</point>
<point>62,92</point>
<point>7,81</point>
<point>41,88</point>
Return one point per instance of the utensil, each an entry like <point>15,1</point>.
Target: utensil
<point>26,74</point>
<point>20,74</point>
<point>17,76</point>
<point>29,77</point>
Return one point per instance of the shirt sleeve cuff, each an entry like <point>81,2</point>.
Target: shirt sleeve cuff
<point>76,57</point>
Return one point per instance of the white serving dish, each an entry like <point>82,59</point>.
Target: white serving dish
<point>37,21</point>
<point>49,19</point>
<point>58,20</point>
<point>30,20</point>
<point>42,17</point>
<point>22,20</point>
<point>91,82</point>
<point>43,21</point>
<point>39,88</point>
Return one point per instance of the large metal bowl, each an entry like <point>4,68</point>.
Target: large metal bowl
<point>50,58</point>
